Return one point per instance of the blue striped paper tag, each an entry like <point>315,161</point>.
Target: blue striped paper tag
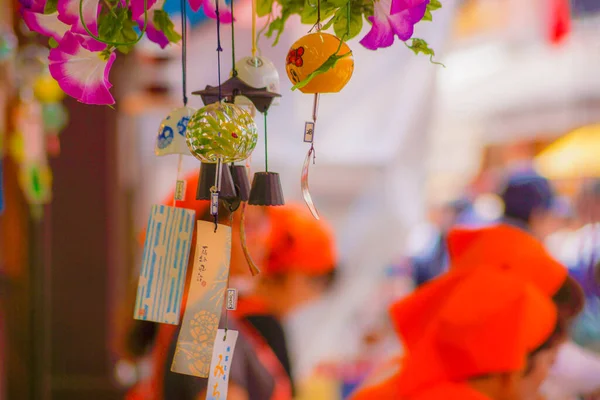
<point>164,264</point>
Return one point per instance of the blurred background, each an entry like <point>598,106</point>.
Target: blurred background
<point>406,150</point>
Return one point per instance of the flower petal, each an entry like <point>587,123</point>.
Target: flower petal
<point>380,35</point>
<point>403,23</point>
<point>210,9</point>
<point>137,9</point>
<point>154,34</point>
<point>37,6</point>
<point>68,12</point>
<point>401,5</point>
<point>45,24</point>
<point>81,73</point>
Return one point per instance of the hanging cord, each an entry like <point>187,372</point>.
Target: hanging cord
<point>266,145</point>
<point>254,38</point>
<point>317,24</point>
<point>184,51</point>
<point>234,72</point>
<point>315,113</point>
<point>219,48</point>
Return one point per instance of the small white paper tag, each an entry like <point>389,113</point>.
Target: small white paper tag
<point>232,299</point>
<point>309,131</point>
<point>180,191</point>
<point>214,203</point>
<point>220,366</point>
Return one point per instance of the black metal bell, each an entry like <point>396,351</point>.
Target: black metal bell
<point>266,190</point>
<point>207,181</point>
<point>241,182</point>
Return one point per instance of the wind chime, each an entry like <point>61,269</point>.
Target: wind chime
<point>318,63</point>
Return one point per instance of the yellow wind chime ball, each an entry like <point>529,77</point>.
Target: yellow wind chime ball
<point>309,53</point>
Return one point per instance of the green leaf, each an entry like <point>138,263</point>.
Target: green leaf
<point>117,26</point>
<point>329,23</point>
<point>50,6</point>
<point>164,24</point>
<point>420,46</point>
<point>264,7</point>
<point>431,6</point>
<point>344,26</point>
<point>309,13</point>
<point>52,43</point>
<point>427,16</point>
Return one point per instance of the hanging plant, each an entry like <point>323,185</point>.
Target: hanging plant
<point>85,35</point>
<point>388,19</point>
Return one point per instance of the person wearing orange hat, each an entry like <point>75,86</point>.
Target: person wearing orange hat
<point>476,344</point>
<point>299,269</point>
<point>503,248</point>
<point>256,373</point>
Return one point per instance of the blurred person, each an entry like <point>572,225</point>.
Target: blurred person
<point>256,370</point>
<point>501,247</point>
<point>429,258</point>
<point>530,203</point>
<point>299,269</point>
<point>577,371</point>
<point>479,343</point>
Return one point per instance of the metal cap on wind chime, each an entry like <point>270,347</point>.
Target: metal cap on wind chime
<point>206,182</point>
<point>240,181</point>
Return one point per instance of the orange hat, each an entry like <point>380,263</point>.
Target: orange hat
<point>509,248</point>
<point>450,391</point>
<point>488,322</point>
<point>297,241</point>
<point>501,247</point>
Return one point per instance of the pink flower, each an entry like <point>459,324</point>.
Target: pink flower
<point>210,9</point>
<point>387,25</point>
<point>68,12</point>
<point>81,69</point>
<point>45,24</point>
<point>401,5</point>
<point>37,6</point>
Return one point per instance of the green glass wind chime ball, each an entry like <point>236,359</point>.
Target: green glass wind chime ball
<point>221,130</point>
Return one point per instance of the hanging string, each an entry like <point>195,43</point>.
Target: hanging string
<point>219,48</point>
<point>254,38</point>
<point>266,145</point>
<point>234,72</point>
<point>184,51</point>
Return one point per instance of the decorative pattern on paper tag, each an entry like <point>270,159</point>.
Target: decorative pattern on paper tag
<point>309,132</point>
<point>205,300</point>
<point>171,133</point>
<point>164,264</point>
<point>220,366</point>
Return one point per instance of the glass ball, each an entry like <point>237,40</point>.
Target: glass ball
<point>309,53</point>
<point>46,89</point>
<point>221,130</point>
<point>258,72</point>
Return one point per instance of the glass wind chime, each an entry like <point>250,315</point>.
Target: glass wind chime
<point>318,63</point>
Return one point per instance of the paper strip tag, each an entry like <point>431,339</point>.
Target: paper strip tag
<point>164,264</point>
<point>220,366</point>
<point>232,299</point>
<point>309,131</point>
<point>205,300</point>
<point>214,203</point>
<point>180,191</point>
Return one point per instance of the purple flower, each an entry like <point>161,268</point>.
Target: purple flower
<point>68,12</point>
<point>81,69</point>
<point>45,24</point>
<point>386,26</point>
<point>401,5</point>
